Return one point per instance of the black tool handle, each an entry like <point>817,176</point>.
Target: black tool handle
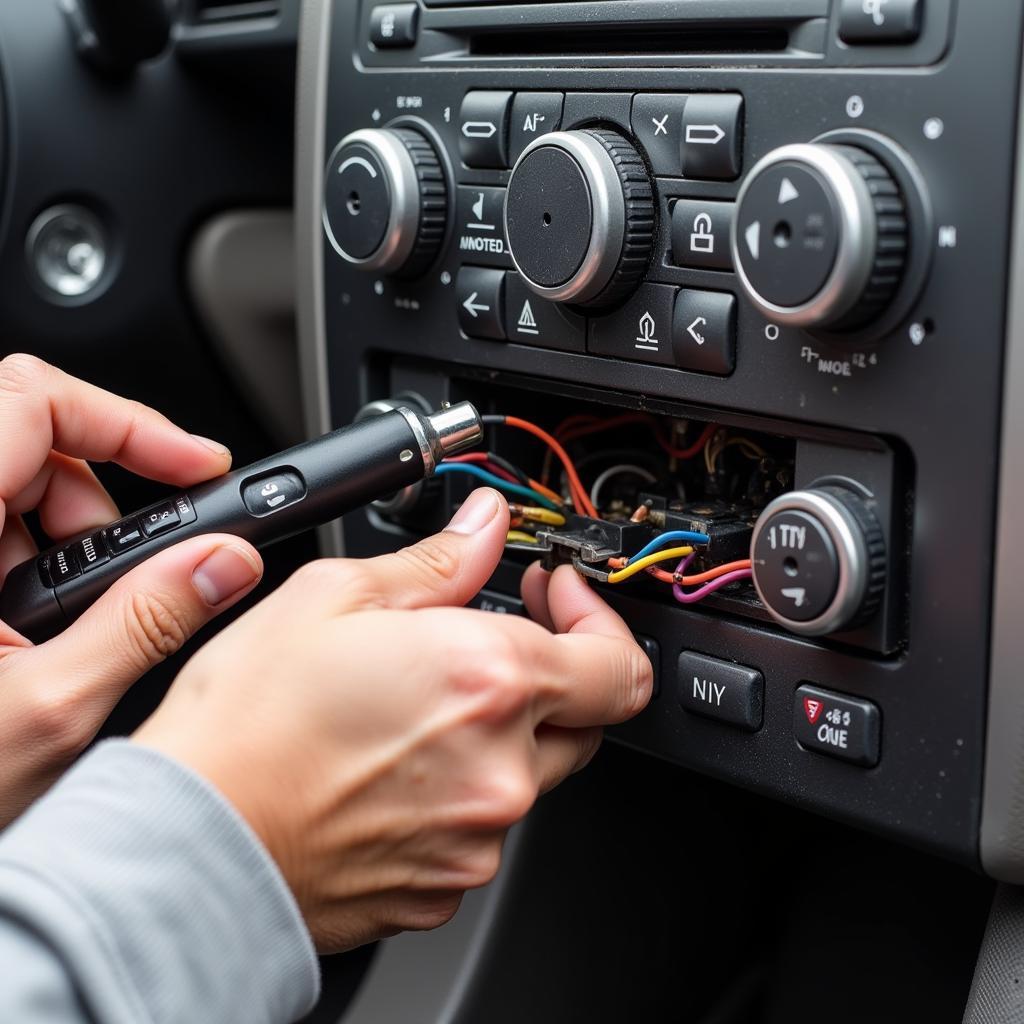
<point>272,499</point>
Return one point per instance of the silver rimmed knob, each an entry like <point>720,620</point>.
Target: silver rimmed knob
<point>580,217</point>
<point>385,200</point>
<point>820,236</point>
<point>818,559</point>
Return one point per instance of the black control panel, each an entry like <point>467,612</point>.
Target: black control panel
<point>772,237</point>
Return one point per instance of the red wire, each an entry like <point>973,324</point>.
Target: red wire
<point>691,450</point>
<point>481,457</point>
<point>571,429</point>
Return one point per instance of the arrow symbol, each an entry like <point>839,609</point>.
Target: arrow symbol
<point>787,192</point>
<point>753,237</point>
<point>479,129</point>
<point>472,307</point>
<point>704,134</point>
<point>796,594</point>
<point>692,330</point>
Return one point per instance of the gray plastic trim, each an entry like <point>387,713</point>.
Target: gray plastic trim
<point>1002,809</point>
<point>310,118</point>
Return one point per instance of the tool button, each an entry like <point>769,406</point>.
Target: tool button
<point>480,225</point>
<point>719,689</point>
<point>64,565</point>
<point>533,114</point>
<point>160,518</point>
<point>658,124</point>
<point>530,320</point>
<point>640,331</point>
<point>123,536</point>
<point>272,492</point>
<point>836,725</point>
<point>712,129</point>
<point>879,21</point>
<point>479,292</point>
<point>704,331</point>
<point>394,25</point>
<point>700,234</point>
<point>92,551</point>
<point>483,129</point>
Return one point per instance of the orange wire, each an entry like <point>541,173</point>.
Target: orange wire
<point>688,581</point>
<point>547,492</point>
<point>580,497</point>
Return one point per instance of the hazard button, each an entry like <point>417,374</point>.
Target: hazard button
<point>837,725</point>
<point>531,320</point>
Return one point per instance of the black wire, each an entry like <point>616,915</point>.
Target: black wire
<point>509,468</point>
<point>491,420</point>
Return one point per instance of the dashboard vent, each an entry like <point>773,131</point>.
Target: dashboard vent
<point>207,12</point>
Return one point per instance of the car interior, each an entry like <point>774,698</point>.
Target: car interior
<point>738,288</point>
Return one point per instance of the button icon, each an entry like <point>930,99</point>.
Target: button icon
<point>659,125</point>
<point>646,341</point>
<point>479,129</point>
<point>475,308</point>
<point>712,128</point>
<point>527,323</point>
<point>753,238</point>
<point>478,213</point>
<point>787,192</point>
<point>701,238</point>
<point>873,10</point>
<point>812,708</point>
<point>533,122</point>
<point>704,134</point>
<point>693,332</point>
<point>483,125</point>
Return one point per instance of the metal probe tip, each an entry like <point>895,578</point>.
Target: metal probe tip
<point>454,428</point>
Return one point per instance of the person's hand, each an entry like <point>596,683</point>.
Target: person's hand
<point>381,744</point>
<point>54,697</point>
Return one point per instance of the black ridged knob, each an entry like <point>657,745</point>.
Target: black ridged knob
<point>386,201</point>
<point>820,237</point>
<point>580,217</point>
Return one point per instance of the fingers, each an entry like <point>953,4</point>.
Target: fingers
<point>575,608</point>
<point>147,616</point>
<point>561,752</point>
<point>534,589</point>
<point>42,408</point>
<point>448,568</point>
<point>16,546</point>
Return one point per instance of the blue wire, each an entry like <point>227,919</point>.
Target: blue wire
<point>494,481</point>
<point>672,537</point>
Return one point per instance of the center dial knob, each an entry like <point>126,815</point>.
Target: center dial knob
<point>820,236</point>
<point>580,217</point>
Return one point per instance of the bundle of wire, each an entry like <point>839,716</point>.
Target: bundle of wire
<point>545,505</point>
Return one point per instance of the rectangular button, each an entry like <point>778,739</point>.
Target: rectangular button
<point>531,320</point>
<point>653,652</point>
<point>704,331</point>
<point>712,130</point>
<point>500,604</point>
<point>641,331</point>
<point>658,124</point>
<point>843,727</point>
<point>879,21</point>
<point>721,689</point>
<point>159,519</point>
<point>394,25</point>
<point>700,234</point>
<point>64,565</point>
<point>272,492</point>
<point>480,225</point>
<point>123,536</point>
<point>183,506</point>
<point>92,552</point>
<point>480,293</point>
<point>533,114</point>
<point>483,129</point>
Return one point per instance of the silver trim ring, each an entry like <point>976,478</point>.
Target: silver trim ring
<point>422,441</point>
<point>858,237</point>
<point>403,192</point>
<point>608,217</point>
<point>851,550</point>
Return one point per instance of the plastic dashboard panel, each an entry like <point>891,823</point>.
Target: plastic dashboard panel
<point>937,404</point>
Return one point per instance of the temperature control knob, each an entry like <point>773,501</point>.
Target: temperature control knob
<point>819,560</point>
<point>386,201</point>
<point>580,217</point>
<point>820,236</point>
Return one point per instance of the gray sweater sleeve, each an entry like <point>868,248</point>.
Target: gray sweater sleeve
<point>133,893</point>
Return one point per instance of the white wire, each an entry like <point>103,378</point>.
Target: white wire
<point>624,467</point>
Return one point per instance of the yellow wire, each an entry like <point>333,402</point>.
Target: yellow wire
<point>658,556</point>
<point>542,515</point>
<point>520,536</point>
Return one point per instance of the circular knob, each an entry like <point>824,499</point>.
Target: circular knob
<point>580,217</point>
<point>820,236</point>
<point>385,200</point>
<point>818,560</point>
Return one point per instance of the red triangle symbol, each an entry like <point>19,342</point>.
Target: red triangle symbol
<point>812,708</point>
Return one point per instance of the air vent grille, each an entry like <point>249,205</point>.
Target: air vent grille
<point>207,12</point>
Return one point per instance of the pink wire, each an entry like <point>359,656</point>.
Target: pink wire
<point>693,596</point>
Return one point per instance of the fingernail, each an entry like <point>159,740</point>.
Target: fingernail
<point>476,512</point>
<point>214,446</point>
<point>223,573</point>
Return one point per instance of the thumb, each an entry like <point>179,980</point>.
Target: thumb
<point>447,568</point>
<point>147,616</point>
